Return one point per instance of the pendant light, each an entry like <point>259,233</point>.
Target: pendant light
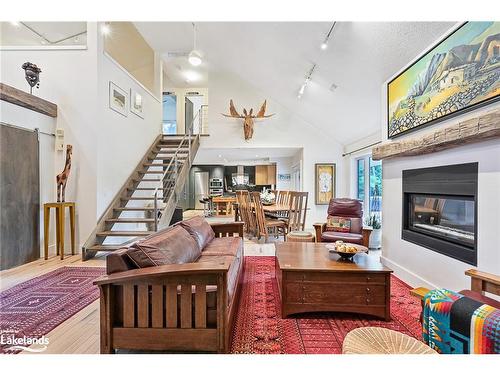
<point>194,57</point>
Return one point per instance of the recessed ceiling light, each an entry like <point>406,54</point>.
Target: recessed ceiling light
<point>324,45</point>
<point>191,76</point>
<point>15,23</point>
<point>220,156</point>
<point>256,156</point>
<point>105,29</point>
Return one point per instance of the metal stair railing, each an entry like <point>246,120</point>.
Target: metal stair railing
<point>167,183</point>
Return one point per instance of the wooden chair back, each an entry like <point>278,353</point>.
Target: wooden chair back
<point>241,200</point>
<point>259,213</point>
<point>283,197</point>
<point>298,210</point>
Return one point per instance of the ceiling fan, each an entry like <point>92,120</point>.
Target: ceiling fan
<point>194,56</point>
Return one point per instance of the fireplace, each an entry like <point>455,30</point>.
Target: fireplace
<point>440,210</point>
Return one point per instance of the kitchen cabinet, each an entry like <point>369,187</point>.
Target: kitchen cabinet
<point>265,174</point>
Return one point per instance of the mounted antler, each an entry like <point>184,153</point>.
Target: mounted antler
<point>248,116</point>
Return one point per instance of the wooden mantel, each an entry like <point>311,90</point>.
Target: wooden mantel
<point>482,127</point>
<point>15,96</point>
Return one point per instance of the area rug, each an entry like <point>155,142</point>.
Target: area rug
<point>30,310</point>
<point>260,329</point>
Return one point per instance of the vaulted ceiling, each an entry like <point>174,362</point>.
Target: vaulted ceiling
<point>275,56</point>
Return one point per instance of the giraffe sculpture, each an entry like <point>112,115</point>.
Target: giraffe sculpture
<point>62,178</point>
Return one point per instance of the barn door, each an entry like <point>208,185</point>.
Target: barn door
<point>19,196</point>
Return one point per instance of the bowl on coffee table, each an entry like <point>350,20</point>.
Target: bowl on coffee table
<point>346,250</point>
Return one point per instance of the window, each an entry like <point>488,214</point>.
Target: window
<point>375,196</point>
<point>361,179</point>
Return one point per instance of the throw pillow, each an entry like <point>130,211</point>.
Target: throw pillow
<point>199,228</point>
<point>338,224</point>
<point>171,246</point>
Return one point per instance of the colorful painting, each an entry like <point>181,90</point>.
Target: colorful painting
<point>461,73</point>
<point>325,183</point>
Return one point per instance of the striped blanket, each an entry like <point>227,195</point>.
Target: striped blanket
<point>455,324</point>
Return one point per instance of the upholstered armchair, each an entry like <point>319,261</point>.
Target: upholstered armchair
<point>344,223</point>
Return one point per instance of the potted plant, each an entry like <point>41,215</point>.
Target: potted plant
<point>376,235</point>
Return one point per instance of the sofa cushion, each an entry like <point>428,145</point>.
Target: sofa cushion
<point>338,224</point>
<point>340,236</point>
<point>224,246</point>
<point>170,246</point>
<point>201,231</point>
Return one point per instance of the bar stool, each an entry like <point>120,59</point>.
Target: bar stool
<point>60,221</point>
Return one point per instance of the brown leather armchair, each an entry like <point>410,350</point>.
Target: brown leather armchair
<point>349,209</point>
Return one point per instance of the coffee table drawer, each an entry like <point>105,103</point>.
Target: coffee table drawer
<point>337,277</point>
<point>334,295</point>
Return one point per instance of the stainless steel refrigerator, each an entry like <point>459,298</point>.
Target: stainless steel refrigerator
<point>201,188</point>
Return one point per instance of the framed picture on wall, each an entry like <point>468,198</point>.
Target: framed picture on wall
<point>118,100</point>
<point>460,73</point>
<point>136,104</point>
<point>324,183</point>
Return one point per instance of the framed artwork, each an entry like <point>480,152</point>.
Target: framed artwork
<point>325,183</point>
<point>136,106</point>
<point>460,73</point>
<point>284,177</point>
<point>118,100</point>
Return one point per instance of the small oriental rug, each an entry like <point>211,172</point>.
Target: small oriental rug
<point>259,327</point>
<point>30,310</point>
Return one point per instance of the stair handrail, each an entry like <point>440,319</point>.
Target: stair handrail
<point>174,161</point>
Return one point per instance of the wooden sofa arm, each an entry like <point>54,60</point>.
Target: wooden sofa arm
<point>228,229</point>
<point>366,231</point>
<point>484,282</point>
<point>166,270</point>
<point>319,229</point>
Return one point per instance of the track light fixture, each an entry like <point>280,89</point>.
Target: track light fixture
<point>306,81</point>
<point>324,45</point>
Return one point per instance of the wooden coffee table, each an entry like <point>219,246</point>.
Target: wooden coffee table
<point>310,279</point>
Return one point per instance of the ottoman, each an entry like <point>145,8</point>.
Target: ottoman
<point>300,236</point>
<point>376,340</point>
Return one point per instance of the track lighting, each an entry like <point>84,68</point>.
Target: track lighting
<point>324,45</point>
<point>306,81</point>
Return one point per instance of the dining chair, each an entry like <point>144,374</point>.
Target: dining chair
<point>297,213</point>
<point>240,199</point>
<point>265,224</point>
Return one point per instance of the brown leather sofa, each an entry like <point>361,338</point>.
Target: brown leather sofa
<point>351,210</point>
<point>176,290</point>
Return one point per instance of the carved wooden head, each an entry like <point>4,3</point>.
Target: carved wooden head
<point>248,117</point>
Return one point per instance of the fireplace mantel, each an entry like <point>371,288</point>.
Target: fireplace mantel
<point>18,97</point>
<point>476,129</point>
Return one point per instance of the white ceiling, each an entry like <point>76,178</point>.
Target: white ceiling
<point>243,156</point>
<point>52,33</point>
<point>275,57</point>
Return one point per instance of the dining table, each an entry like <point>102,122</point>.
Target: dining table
<point>270,208</point>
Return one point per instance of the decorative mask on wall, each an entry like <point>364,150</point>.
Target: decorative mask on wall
<point>248,117</point>
<point>32,75</point>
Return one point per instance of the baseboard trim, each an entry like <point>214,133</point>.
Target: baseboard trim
<point>406,275</point>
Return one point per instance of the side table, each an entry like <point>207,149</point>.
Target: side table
<point>60,221</point>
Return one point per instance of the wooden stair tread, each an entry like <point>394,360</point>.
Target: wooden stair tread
<point>134,208</point>
<point>147,180</point>
<point>105,247</point>
<point>153,172</point>
<point>165,158</point>
<point>151,189</point>
<point>140,198</point>
<point>130,220</point>
<point>124,233</point>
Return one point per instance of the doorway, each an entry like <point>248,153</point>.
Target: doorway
<point>169,120</point>
<point>369,185</point>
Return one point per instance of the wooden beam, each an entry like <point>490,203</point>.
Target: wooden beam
<point>15,96</point>
<point>483,127</point>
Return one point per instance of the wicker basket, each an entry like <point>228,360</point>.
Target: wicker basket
<point>375,340</point>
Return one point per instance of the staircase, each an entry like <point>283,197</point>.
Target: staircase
<point>147,200</point>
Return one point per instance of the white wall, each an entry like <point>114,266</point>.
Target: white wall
<point>106,145</point>
<point>282,130</point>
<point>69,79</point>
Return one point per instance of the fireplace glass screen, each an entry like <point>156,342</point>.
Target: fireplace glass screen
<point>447,217</point>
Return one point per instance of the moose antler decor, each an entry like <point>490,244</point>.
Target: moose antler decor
<point>248,116</point>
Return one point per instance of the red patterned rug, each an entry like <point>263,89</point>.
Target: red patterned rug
<point>34,308</point>
<point>259,327</point>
